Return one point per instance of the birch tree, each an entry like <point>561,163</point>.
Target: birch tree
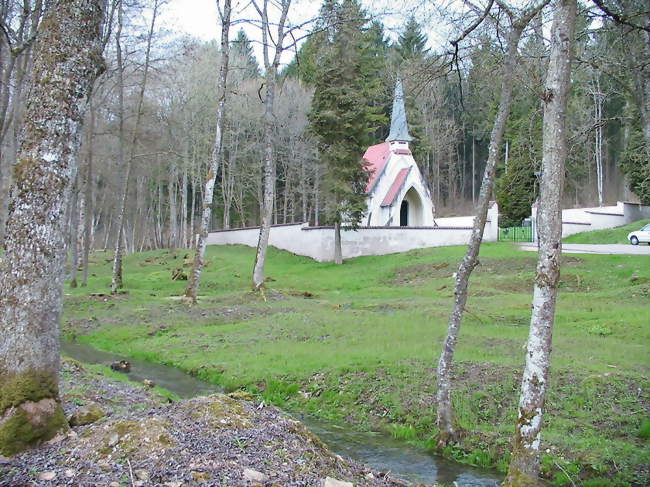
<point>271,55</point>
<point>445,413</point>
<point>524,464</point>
<point>215,159</point>
<point>67,58</point>
<point>116,280</point>
<point>88,198</point>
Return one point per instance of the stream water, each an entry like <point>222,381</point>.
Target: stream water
<point>377,450</point>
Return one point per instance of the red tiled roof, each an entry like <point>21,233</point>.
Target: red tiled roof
<point>376,157</point>
<point>395,187</point>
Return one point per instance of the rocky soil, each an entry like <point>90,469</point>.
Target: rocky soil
<point>128,436</point>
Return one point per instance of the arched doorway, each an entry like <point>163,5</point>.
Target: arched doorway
<point>404,214</point>
<point>411,209</point>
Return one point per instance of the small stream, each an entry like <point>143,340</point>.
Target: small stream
<point>378,450</point>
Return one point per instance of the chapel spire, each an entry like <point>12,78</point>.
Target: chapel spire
<point>399,131</point>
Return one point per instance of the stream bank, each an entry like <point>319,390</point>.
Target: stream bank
<point>137,438</point>
<point>377,450</point>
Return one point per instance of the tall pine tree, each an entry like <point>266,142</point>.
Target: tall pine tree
<point>344,112</point>
<point>244,58</point>
<point>411,42</point>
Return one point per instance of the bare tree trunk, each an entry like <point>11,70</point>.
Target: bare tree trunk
<point>215,160</point>
<point>473,171</point>
<point>524,463</point>
<point>116,281</point>
<point>598,96</point>
<point>445,413</point>
<point>303,189</point>
<point>31,274</point>
<point>159,214</point>
<point>88,196</point>
<point>195,184</point>
<point>338,254</point>
<point>74,232</point>
<point>269,187</point>
<point>184,180</point>
<point>317,197</point>
<point>173,210</point>
<point>271,67</point>
<point>438,197</point>
<point>108,231</point>
<point>228,178</point>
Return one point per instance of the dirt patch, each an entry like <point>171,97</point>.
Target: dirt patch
<point>510,284</point>
<point>505,266</point>
<point>506,347</point>
<point>417,274</point>
<point>387,308</point>
<point>573,283</point>
<point>214,440</point>
<point>472,374</point>
<point>481,293</point>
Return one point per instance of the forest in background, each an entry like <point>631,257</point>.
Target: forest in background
<point>155,105</point>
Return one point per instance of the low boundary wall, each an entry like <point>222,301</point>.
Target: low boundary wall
<point>578,220</point>
<point>318,242</point>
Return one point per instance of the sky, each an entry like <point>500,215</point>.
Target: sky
<point>199,18</point>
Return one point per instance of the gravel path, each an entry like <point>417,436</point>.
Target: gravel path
<point>623,249</point>
<point>143,441</point>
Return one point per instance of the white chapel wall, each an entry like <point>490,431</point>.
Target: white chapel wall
<point>578,220</point>
<point>389,215</point>
<point>318,242</point>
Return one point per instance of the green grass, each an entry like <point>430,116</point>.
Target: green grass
<point>359,343</point>
<point>616,235</point>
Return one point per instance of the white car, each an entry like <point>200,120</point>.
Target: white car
<point>642,235</point>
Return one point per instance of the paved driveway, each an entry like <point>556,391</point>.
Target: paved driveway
<point>623,249</point>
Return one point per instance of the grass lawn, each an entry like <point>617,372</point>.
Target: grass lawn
<point>617,235</point>
<point>359,343</point>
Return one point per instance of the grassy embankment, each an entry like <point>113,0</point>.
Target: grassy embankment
<point>616,235</point>
<point>359,343</point>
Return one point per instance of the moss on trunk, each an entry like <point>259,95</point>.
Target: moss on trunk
<point>29,410</point>
<point>517,478</point>
<point>66,60</point>
<point>27,386</point>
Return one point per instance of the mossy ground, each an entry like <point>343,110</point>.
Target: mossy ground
<point>359,343</point>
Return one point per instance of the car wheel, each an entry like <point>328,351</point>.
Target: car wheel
<point>634,241</point>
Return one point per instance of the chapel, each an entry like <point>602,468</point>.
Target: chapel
<point>397,193</point>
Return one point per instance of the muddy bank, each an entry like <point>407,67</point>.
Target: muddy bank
<point>137,438</point>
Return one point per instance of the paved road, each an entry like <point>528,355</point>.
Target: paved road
<point>623,249</point>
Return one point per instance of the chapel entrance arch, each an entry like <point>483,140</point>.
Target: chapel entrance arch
<point>411,209</point>
<point>404,214</point>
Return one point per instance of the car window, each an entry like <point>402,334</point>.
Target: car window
<point>646,228</point>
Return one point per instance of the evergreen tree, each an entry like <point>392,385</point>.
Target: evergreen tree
<point>344,114</point>
<point>636,167</point>
<point>243,56</point>
<point>515,193</point>
<point>515,189</point>
<point>305,64</point>
<point>411,43</point>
